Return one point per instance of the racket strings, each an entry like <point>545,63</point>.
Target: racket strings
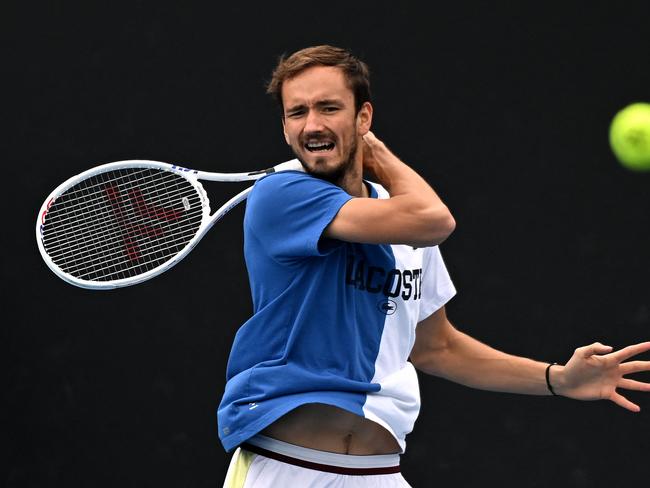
<point>111,254</point>
<point>106,255</point>
<point>100,181</point>
<point>95,211</point>
<point>128,243</point>
<point>92,200</point>
<point>93,222</point>
<point>81,237</point>
<point>121,223</point>
<point>145,253</point>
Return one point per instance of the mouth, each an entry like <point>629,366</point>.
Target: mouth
<point>319,146</point>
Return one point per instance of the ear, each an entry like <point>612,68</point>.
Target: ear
<point>364,119</point>
<point>284,131</point>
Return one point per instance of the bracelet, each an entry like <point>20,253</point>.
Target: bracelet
<point>548,381</point>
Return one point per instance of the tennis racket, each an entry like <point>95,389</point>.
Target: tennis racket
<point>125,222</point>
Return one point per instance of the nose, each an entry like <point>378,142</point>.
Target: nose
<point>313,122</point>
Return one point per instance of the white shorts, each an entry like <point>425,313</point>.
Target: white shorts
<point>263,462</point>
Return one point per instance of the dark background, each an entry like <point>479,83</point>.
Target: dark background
<point>503,107</point>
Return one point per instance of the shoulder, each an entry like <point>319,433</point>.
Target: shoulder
<point>291,184</point>
<point>285,179</point>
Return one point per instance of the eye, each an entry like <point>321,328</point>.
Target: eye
<point>295,113</point>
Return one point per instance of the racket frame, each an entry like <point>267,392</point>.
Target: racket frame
<point>191,175</point>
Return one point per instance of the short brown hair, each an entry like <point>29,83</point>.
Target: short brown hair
<point>356,71</point>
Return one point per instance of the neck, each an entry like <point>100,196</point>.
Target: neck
<point>352,180</point>
<point>352,183</point>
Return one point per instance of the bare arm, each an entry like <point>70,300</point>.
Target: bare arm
<point>442,350</point>
<point>413,215</point>
<point>594,372</point>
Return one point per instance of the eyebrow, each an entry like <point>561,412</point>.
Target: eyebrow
<point>320,103</point>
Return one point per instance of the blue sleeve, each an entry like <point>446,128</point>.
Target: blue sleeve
<point>288,211</point>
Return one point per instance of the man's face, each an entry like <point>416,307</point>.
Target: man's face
<point>320,123</point>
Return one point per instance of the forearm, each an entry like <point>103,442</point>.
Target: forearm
<point>400,180</point>
<point>594,372</point>
<point>409,193</point>
<point>463,359</point>
<point>413,214</point>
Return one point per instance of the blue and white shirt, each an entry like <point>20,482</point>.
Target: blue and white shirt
<point>334,322</point>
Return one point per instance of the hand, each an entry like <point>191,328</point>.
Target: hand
<point>595,373</point>
<point>372,149</point>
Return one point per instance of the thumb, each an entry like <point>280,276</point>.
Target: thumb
<point>370,138</point>
<point>596,348</point>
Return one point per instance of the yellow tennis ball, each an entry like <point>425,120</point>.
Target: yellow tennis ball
<point>629,136</point>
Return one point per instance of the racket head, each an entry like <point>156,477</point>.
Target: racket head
<point>121,223</point>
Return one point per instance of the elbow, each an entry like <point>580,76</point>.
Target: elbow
<point>432,357</point>
<point>436,344</point>
<point>427,360</point>
<point>419,361</point>
<point>448,225</point>
<point>440,224</point>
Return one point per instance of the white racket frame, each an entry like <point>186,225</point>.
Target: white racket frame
<point>191,175</point>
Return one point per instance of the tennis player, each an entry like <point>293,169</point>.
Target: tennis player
<point>348,283</point>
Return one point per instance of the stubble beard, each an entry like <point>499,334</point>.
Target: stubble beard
<point>338,174</point>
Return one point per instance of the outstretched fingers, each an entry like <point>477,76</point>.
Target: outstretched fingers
<point>629,351</point>
<point>634,367</point>
<point>621,401</point>
<point>633,385</point>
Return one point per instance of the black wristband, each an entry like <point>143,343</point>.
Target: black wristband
<point>548,381</point>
